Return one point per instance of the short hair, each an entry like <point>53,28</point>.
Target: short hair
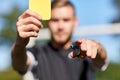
<point>58,4</point>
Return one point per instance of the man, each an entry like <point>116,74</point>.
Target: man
<point>51,62</point>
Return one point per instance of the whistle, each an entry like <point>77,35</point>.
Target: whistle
<point>76,49</point>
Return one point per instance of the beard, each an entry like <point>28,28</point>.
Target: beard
<point>61,42</point>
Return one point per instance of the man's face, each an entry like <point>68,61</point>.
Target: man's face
<point>61,24</point>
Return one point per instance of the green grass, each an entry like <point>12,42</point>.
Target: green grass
<point>9,74</point>
<point>112,73</point>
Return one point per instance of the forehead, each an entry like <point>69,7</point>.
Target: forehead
<point>65,11</point>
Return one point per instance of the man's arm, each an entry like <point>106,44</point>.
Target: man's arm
<point>28,25</point>
<point>101,57</point>
<point>20,61</point>
<point>93,50</point>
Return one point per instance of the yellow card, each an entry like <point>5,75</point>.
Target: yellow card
<point>42,7</point>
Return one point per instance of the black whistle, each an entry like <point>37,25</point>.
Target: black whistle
<point>76,49</point>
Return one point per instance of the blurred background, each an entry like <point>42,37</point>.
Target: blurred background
<point>98,19</point>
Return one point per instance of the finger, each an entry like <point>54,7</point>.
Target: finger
<point>94,53</point>
<point>83,47</point>
<point>82,56</point>
<point>81,40</point>
<point>81,43</point>
<point>27,28</point>
<point>28,34</point>
<point>30,20</point>
<point>31,27</point>
<point>30,13</point>
<point>89,48</point>
<point>94,50</point>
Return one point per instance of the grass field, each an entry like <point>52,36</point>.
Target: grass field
<point>112,73</point>
<point>9,74</point>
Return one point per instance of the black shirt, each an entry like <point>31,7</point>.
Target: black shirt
<point>54,64</point>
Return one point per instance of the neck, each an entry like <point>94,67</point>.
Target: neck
<point>60,45</point>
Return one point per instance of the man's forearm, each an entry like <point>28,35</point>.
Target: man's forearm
<point>101,57</point>
<point>19,58</point>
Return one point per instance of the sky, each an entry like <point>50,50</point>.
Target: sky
<point>89,12</point>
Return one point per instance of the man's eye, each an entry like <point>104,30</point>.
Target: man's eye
<point>66,20</point>
<point>54,20</point>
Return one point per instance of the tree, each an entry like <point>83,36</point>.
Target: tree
<point>117,4</point>
<point>117,20</point>
<point>8,32</point>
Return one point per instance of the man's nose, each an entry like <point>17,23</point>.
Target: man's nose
<point>60,24</point>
